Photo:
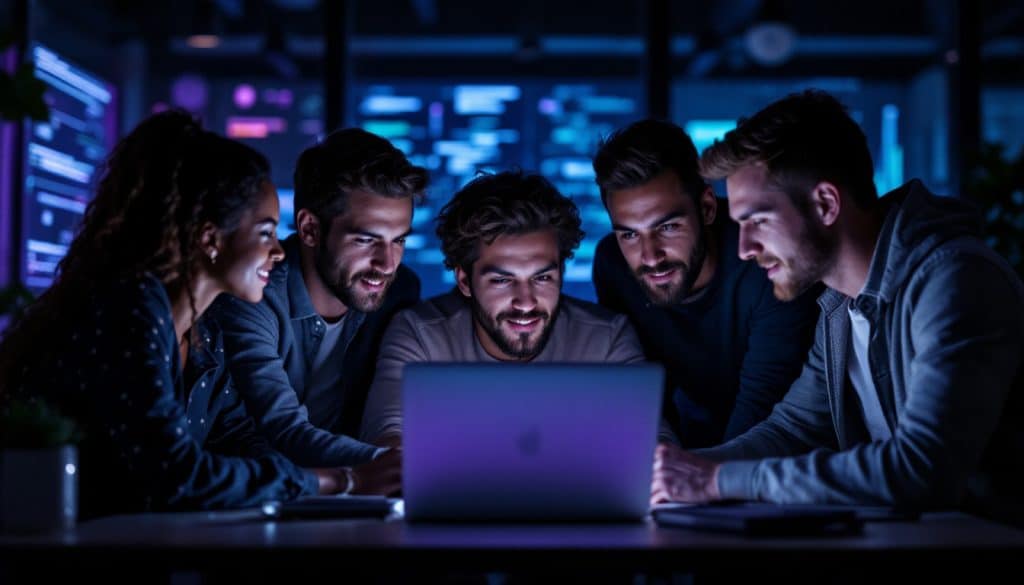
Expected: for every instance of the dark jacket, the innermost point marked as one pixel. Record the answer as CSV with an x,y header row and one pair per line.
x,y
157,437
271,347
947,323
730,354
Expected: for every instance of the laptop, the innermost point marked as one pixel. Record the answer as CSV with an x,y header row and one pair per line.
x,y
529,441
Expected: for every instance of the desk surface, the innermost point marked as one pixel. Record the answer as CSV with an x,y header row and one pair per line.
x,y
196,540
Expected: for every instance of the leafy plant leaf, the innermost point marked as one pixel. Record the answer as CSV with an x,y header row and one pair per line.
x,y
32,424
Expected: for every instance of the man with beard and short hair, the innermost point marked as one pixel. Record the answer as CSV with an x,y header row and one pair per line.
x,y
507,238
911,395
303,357
730,349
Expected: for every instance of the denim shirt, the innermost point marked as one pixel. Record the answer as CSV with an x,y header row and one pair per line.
x,y
944,357
157,437
270,349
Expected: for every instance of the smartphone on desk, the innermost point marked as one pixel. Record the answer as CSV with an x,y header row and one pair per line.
x,y
315,507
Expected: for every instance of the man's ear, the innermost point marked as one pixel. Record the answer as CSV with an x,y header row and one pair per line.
x,y
708,206
308,226
826,202
462,280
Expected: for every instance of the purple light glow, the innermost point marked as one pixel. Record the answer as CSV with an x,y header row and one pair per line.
x,y
8,62
279,97
312,127
436,119
254,127
245,96
189,92
111,120
529,441
548,106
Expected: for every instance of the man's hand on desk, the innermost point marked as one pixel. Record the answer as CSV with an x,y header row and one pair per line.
x,y
682,477
392,439
380,477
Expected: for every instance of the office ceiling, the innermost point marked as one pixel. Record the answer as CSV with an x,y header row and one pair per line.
x,y
721,39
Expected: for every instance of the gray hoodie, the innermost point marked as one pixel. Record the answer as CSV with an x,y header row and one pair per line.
x,y
945,351
441,330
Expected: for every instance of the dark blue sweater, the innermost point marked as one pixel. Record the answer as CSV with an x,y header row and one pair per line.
x,y
730,353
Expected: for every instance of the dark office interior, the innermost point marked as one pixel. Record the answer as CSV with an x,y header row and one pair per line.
x,y
463,87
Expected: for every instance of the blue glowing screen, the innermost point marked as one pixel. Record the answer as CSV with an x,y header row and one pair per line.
x,y
62,158
456,131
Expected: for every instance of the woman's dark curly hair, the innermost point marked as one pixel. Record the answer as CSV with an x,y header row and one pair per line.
x,y
511,202
158,188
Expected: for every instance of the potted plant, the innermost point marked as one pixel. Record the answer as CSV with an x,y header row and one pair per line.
x,y
38,468
997,185
14,300
38,457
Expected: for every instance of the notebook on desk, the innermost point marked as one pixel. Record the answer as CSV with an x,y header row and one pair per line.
x,y
529,442
763,519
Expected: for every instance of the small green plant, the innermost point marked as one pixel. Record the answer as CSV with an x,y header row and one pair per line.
x,y
32,424
26,423
997,186
14,299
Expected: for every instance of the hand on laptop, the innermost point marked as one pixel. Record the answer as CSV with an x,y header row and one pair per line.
x,y
382,476
680,476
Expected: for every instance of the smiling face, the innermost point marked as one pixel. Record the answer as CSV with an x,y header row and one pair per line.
x,y
514,287
358,257
793,246
662,235
249,252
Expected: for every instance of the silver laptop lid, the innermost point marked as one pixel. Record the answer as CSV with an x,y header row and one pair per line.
x,y
534,441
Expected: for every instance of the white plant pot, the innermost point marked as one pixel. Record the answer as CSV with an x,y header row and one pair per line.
x,y
38,489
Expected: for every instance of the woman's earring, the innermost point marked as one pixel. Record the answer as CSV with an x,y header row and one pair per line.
x,y
213,257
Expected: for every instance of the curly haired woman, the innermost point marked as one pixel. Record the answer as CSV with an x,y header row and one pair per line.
x,y
180,216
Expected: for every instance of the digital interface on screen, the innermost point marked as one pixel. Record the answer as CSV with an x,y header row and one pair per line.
x,y
454,131
457,131
278,120
708,109
62,157
572,121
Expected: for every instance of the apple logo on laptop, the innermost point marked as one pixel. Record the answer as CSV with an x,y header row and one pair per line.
x,y
528,442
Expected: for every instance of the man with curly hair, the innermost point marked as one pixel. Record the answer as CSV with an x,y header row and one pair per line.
x,y
506,237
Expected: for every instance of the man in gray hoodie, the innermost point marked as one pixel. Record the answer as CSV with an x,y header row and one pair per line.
x,y
908,396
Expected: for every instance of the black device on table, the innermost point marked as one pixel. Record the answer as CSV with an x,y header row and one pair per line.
x,y
760,519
